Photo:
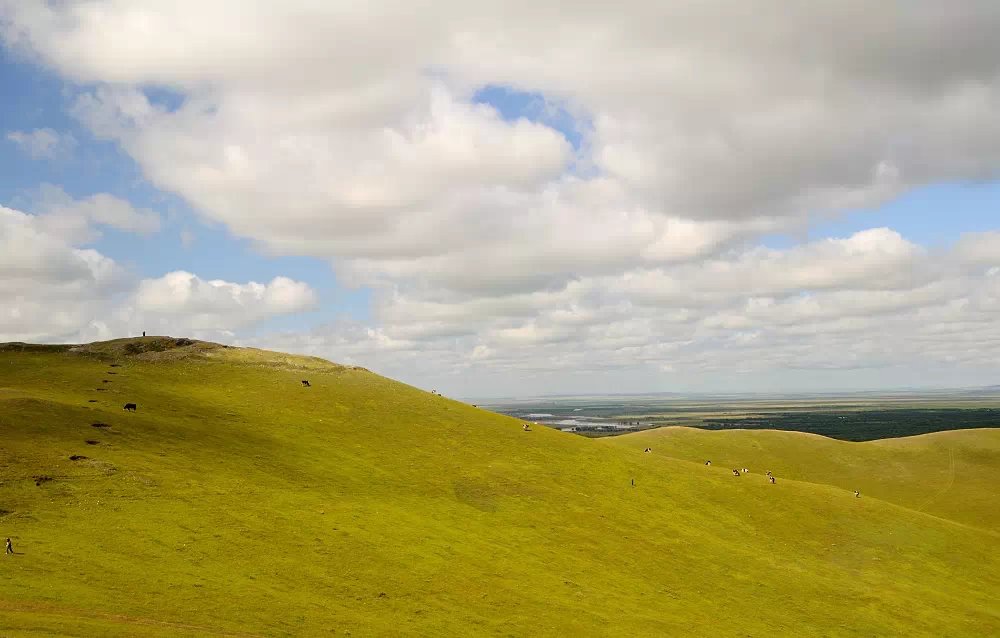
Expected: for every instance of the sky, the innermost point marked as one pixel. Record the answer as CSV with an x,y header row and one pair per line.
x,y
516,199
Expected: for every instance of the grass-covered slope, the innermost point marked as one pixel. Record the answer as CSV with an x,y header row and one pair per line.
x,y
237,502
948,474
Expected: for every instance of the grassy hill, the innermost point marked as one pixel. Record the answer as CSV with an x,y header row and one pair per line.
x,y
235,501
948,474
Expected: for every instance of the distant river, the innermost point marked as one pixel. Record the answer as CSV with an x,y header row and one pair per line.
x,y
582,415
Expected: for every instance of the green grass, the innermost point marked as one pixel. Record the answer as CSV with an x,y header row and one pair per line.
x,y
236,502
948,474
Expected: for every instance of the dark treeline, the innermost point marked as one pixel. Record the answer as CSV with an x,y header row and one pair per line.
x,y
865,425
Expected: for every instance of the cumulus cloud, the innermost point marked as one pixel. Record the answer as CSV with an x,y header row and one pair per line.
x,y
352,134
43,143
56,291
185,300
50,288
980,249
696,134
76,219
731,319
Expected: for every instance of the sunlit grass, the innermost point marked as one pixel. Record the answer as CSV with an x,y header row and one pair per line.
x,y
237,501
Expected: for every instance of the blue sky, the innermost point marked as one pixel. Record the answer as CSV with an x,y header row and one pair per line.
x,y
933,216
598,234
40,99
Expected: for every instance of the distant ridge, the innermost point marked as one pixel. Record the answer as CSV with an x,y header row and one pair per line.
x,y
888,393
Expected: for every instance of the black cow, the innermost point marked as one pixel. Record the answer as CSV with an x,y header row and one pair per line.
x,y
130,407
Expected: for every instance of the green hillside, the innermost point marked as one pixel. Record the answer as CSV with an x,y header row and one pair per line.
x,y
235,501
947,474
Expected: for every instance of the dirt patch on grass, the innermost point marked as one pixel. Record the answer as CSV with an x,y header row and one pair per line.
x,y
91,400
99,425
42,478
78,457
91,442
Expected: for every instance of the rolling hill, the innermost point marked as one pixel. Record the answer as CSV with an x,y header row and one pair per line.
x,y
947,474
236,501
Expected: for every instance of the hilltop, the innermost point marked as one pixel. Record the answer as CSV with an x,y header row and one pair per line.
x,y
236,501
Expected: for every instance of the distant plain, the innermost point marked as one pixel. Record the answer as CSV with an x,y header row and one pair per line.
x,y
849,416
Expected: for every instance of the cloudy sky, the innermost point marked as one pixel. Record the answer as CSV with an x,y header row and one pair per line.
x,y
517,198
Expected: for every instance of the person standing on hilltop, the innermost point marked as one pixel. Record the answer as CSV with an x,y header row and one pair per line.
x,y
10,546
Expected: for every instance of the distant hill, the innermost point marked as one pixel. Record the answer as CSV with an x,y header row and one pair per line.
x,y
990,390
237,501
947,474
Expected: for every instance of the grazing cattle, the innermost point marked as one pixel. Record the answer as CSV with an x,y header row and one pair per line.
x,y
648,450
306,383
746,471
10,547
768,472
736,472
771,479
708,462
857,494
130,407
526,427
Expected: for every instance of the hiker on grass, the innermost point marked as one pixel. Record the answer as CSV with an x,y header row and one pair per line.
x,y
10,547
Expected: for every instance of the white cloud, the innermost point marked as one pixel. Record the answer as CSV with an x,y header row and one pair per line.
x,y
381,157
980,249
736,319
184,300
50,288
55,291
75,219
697,133
349,133
43,143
